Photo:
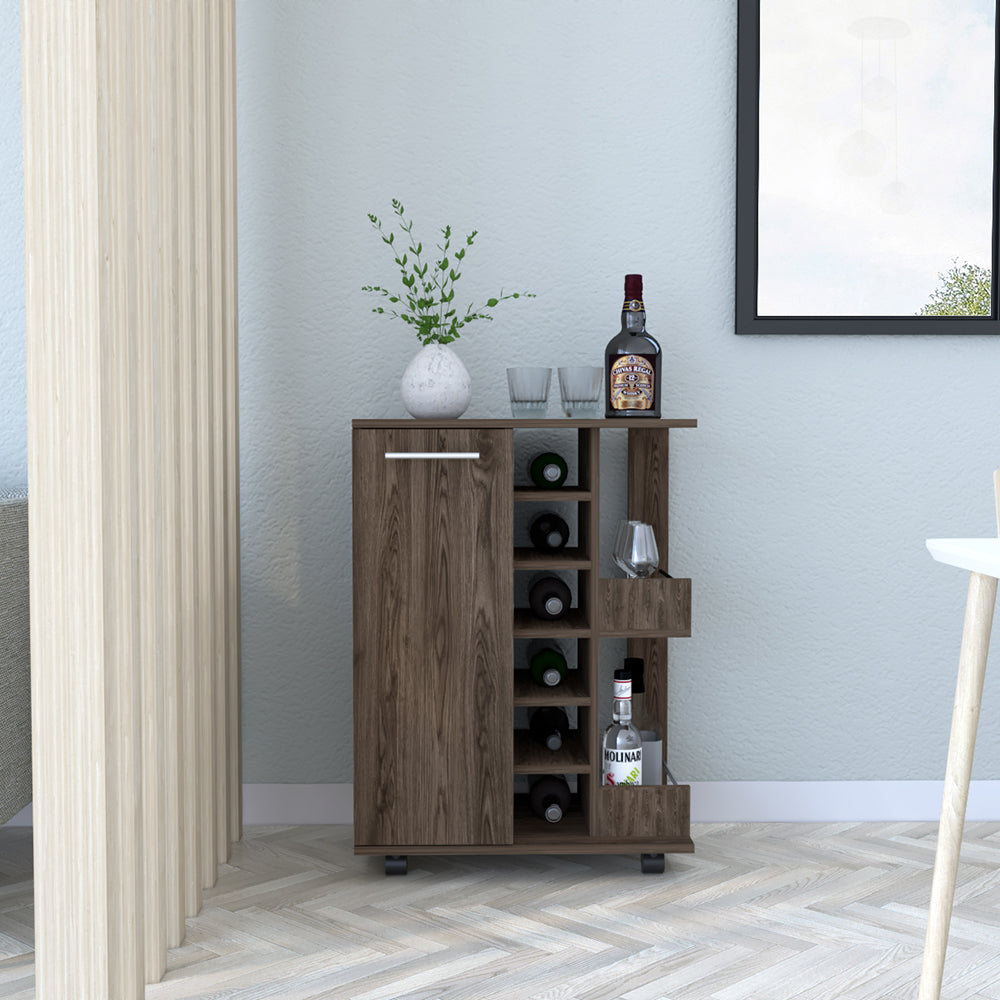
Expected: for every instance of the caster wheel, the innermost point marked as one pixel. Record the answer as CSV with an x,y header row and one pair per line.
x,y
652,864
395,864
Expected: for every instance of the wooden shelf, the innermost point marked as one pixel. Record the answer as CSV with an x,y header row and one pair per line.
x,y
560,494
530,830
629,423
528,558
654,608
573,626
572,691
532,758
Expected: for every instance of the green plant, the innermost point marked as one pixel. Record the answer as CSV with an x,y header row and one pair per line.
x,y
429,290
965,290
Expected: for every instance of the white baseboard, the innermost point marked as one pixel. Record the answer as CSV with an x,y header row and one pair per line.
x,y
711,802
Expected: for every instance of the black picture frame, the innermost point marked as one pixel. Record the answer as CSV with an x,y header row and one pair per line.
x,y
747,321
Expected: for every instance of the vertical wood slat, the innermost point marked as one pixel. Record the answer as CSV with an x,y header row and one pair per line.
x,y
147,507
131,334
217,429
168,538
187,458
230,356
205,620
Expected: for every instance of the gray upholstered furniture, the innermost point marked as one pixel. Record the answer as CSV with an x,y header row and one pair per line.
x,y
15,683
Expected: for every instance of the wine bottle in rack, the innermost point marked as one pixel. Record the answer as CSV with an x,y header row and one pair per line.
x,y
549,598
621,762
548,532
632,361
548,470
549,798
546,663
549,726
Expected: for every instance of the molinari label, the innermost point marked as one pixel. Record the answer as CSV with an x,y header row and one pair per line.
x,y
632,381
622,767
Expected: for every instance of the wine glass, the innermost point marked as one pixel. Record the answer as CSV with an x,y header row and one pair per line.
x,y
635,549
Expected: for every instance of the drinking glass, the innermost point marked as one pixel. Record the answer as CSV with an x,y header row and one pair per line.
x,y
529,391
635,549
580,387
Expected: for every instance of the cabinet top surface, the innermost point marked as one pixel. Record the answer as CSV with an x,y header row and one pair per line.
x,y
632,423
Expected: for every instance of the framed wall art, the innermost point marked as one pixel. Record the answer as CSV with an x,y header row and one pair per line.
x,y
867,173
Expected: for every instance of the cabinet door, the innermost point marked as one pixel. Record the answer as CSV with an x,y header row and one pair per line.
x,y
433,647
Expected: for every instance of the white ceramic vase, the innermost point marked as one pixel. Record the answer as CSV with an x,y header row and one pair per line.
x,y
436,385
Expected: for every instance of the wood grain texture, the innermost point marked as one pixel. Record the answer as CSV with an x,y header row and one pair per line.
x,y
433,667
589,650
572,625
515,423
649,484
147,407
646,812
114,401
760,912
569,558
185,416
167,494
655,606
533,758
206,613
573,690
978,624
228,253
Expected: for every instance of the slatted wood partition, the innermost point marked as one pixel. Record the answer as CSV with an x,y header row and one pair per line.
x,y
130,234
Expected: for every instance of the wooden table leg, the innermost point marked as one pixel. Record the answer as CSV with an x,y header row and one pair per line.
x,y
964,721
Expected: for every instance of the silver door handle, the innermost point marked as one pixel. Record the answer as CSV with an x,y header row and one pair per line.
x,y
432,454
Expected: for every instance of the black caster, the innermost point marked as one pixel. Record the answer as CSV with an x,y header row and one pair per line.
x,y
652,864
395,864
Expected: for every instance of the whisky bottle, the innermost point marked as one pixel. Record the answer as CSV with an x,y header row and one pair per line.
x,y
549,598
547,665
622,746
549,726
548,470
549,798
548,532
632,361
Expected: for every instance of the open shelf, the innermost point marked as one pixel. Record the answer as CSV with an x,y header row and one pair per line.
x,y
573,626
560,493
572,691
529,558
532,758
529,829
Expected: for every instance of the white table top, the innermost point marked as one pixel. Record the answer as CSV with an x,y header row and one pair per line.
x,y
978,555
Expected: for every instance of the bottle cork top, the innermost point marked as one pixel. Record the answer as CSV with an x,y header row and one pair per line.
x,y
633,286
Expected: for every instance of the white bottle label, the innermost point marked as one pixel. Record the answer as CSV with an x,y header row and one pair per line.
x,y
623,767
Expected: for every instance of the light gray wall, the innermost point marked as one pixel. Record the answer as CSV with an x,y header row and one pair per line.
x,y
13,422
583,140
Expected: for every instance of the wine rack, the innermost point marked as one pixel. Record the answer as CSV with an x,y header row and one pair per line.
x,y
469,805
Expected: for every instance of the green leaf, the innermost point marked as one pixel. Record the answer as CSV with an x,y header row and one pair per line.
x,y
491,302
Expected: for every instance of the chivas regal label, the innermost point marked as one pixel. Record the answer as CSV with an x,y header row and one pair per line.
x,y
623,767
632,380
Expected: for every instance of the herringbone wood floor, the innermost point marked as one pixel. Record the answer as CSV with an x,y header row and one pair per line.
x,y
768,911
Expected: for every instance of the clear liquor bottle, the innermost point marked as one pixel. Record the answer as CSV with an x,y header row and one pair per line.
x,y
632,361
622,745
